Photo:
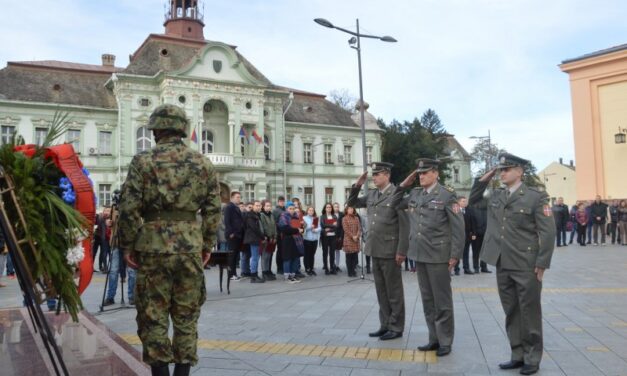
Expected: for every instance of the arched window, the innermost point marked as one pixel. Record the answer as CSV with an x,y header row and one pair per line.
x,y
207,141
266,147
144,139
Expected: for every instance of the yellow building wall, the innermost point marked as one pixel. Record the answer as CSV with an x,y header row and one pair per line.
x,y
598,88
613,113
560,181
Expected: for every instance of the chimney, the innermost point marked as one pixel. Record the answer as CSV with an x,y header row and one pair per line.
x,y
108,60
561,161
571,163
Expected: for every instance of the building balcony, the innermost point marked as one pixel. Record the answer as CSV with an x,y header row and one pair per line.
x,y
231,161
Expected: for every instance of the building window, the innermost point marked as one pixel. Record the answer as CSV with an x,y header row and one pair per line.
x,y
368,154
328,194
308,199
7,134
249,192
40,135
266,147
348,154
104,143
288,151
144,102
73,136
328,154
288,193
144,139
456,174
207,141
307,156
104,194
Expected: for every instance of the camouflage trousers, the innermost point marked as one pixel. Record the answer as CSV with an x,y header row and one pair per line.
x,y
169,286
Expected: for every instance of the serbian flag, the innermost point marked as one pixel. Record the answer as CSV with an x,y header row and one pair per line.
x,y
256,137
194,137
242,133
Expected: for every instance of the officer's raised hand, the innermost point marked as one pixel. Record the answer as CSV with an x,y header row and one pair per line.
x,y
362,179
488,175
409,180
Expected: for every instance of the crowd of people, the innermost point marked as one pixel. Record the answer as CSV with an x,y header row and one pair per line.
x,y
290,234
592,222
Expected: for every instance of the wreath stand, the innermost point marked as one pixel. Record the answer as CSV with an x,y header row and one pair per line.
x,y
32,293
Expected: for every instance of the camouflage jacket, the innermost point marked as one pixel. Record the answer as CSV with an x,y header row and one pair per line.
x,y
164,190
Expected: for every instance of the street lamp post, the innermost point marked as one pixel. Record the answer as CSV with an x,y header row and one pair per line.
x,y
313,176
355,43
356,40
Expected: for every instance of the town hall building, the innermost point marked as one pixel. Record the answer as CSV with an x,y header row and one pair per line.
x,y
265,140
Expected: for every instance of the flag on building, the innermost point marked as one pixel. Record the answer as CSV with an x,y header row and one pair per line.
x,y
242,133
257,137
194,137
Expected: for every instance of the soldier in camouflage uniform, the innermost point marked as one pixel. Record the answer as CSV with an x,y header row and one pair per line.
x,y
161,237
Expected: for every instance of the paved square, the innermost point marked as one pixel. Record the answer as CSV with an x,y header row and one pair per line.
x,y
320,326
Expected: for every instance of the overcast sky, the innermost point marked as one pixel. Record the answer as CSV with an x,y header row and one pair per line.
x,y
480,64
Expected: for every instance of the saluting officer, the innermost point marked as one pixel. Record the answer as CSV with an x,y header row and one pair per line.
x,y
436,242
386,243
519,241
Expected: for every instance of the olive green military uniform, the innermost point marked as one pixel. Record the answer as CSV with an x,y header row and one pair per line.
x,y
163,191
436,235
519,237
387,237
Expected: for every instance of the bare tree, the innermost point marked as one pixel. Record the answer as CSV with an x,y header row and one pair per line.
x,y
344,99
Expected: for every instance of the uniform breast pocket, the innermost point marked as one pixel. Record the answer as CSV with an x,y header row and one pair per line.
x,y
521,214
436,205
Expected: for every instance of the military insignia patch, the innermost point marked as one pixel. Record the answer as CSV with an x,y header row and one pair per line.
x,y
421,164
456,208
547,210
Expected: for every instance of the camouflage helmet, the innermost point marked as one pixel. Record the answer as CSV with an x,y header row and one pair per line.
x,y
168,116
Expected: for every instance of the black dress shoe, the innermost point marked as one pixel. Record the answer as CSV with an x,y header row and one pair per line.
x,y
512,364
390,334
182,369
486,270
443,351
160,369
456,272
529,369
378,333
467,271
476,270
429,346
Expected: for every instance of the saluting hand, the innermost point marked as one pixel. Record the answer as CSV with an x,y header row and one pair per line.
x,y
362,179
488,175
409,180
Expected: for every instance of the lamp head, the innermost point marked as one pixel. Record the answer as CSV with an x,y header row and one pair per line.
x,y
388,38
352,41
323,22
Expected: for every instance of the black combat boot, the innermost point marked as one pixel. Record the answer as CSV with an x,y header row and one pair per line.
x,y
182,369
160,369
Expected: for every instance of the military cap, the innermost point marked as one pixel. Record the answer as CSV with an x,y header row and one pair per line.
x,y
381,167
507,160
168,116
426,164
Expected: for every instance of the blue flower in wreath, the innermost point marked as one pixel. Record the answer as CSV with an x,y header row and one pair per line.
x,y
68,195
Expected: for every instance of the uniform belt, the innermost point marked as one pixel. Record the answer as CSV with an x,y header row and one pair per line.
x,y
170,216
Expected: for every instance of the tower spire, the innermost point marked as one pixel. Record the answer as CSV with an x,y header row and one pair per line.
x,y
184,19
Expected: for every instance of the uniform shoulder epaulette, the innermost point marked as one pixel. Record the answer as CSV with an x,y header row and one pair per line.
x,y
418,189
449,188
